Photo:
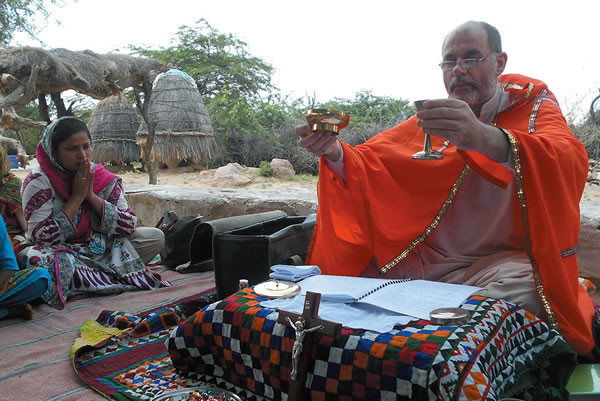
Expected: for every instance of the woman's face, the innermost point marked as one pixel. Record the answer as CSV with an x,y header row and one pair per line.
x,y
74,151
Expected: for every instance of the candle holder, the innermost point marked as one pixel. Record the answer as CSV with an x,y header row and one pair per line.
x,y
327,120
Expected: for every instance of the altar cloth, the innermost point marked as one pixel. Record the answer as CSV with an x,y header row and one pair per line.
x,y
502,351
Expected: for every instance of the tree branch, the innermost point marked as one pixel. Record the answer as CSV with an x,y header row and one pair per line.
x,y
43,108
10,111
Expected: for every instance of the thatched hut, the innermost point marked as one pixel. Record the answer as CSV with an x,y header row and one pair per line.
x,y
113,125
183,128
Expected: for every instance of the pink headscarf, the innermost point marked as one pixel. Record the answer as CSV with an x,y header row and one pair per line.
x,y
62,181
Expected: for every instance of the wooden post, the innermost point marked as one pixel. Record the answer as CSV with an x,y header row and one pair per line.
x,y
310,322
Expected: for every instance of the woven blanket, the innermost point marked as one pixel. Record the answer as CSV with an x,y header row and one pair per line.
x,y
502,351
35,362
123,356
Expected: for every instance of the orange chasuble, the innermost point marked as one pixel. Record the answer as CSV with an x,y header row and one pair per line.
x,y
391,202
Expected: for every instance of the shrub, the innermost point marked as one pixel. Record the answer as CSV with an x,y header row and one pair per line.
x,y
589,134
245,149
265,169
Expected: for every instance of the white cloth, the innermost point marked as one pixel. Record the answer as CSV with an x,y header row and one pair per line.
x,y
293,273
356,316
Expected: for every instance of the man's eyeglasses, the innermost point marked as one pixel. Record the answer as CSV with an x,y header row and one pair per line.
x,y
465,63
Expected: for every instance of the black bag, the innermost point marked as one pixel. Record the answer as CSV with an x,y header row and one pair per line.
x,y
201,247
250,252
178,234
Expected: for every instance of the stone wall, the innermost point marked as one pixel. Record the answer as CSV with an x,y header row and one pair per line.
x,y
151,201
588,251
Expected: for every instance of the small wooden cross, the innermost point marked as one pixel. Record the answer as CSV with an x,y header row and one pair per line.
x,y
310,321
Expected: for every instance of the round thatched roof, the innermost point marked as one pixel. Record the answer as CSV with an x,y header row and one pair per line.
x,y
183,130
113,125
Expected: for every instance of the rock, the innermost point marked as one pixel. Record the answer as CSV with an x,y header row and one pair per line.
x,y
151,201
229,176
282,168
229,169
232,180
590,213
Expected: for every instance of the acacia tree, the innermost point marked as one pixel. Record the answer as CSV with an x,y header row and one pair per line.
x,y
234,84
17,16
217,61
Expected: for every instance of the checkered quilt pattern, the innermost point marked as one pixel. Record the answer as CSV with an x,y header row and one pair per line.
x,y
502,351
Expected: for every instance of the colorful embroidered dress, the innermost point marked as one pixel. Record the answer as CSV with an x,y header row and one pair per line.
x,y
25,285
89,254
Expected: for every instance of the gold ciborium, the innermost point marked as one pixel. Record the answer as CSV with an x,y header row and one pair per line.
x,y
427,153
327,120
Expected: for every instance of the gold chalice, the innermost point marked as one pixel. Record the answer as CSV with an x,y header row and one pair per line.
x,y
427,153
327,120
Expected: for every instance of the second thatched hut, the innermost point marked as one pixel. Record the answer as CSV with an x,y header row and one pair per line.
x,y
113,125
183,128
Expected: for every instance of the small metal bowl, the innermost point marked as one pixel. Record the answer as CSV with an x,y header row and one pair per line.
x,y
449,316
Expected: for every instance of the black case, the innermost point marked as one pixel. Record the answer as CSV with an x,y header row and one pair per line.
x,y
178,233
249,252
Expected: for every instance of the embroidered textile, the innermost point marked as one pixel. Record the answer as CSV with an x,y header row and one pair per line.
x,y
501,352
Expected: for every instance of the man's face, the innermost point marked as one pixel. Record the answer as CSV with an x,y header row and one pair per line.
x,y
475,85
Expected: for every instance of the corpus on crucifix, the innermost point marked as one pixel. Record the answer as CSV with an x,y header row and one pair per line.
x,y
301,331
304,324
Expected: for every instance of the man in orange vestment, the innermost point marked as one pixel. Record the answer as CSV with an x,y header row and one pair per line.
x,y
500,210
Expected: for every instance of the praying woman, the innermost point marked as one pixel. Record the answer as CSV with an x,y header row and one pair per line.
x,y
80,227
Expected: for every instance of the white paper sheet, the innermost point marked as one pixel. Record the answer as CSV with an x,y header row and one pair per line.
x,y
414,297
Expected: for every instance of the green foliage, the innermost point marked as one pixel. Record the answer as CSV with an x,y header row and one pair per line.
x,y
28,136
265,169
229,112
367,109
17,16
218,62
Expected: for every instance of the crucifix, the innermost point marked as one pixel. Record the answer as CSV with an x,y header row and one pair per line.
x,y
304,324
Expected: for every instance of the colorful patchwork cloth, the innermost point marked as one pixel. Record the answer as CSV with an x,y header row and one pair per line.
x,y
503,351
123,356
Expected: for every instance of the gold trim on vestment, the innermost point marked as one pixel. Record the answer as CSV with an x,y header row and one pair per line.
x,y
384,269
516,159
510,85
530,87
535,110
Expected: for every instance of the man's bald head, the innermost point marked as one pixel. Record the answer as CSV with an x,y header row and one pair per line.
x,y
493,36
474,83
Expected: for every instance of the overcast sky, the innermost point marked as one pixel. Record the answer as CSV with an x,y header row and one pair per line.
x,y
336,48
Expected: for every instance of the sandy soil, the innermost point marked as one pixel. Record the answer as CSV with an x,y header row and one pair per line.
x,y
187,177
